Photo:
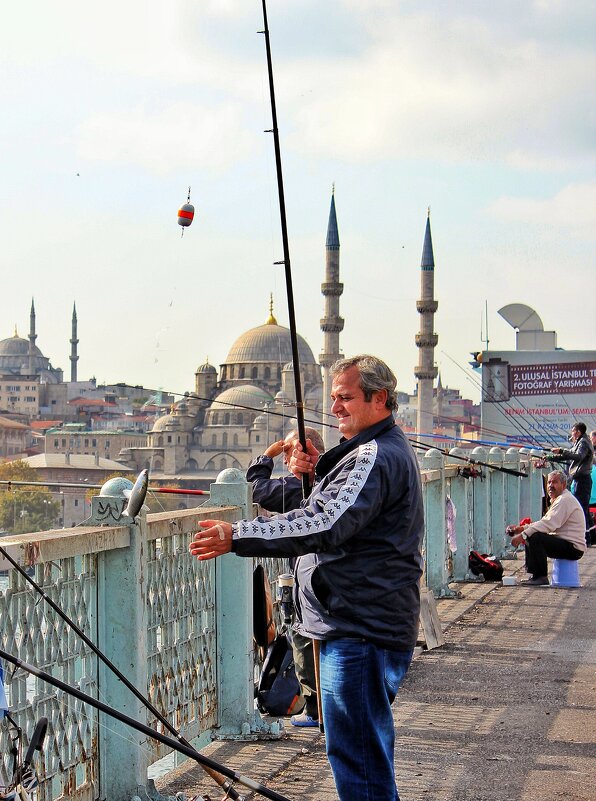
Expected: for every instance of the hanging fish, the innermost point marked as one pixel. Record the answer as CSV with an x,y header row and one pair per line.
x,y
186,213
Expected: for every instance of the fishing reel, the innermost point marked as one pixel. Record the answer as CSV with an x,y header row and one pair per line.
x,y
24,785
285,584
470,471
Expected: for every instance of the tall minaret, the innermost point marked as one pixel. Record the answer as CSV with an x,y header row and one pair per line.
x,y
32,338
331,324
73,345
426,340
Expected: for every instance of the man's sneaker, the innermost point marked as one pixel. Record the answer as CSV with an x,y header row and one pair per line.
x,y
541,581
304,720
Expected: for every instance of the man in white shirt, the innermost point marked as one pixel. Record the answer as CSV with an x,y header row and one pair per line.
x,y
559,534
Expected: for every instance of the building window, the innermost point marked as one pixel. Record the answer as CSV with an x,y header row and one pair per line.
x,y
224,441
235,439
55,443
227,419
94,442
267,372
241,371
254,372
169,438
76,501
214,439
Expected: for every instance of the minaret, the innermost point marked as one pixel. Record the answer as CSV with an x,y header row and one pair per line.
x,y
331,324
73,345
426,340
32,338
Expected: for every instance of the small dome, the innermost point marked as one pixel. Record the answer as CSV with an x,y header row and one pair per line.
x,y
243,395
206,368
260,421
166,421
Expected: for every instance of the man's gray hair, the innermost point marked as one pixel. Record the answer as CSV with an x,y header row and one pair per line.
x,y
374,376
560,474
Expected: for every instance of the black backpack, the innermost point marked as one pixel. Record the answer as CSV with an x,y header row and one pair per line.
x,y
278,692
481,564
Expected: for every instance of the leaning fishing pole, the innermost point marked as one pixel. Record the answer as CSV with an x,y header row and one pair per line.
x,y
176,745
509,470
286,250
220,780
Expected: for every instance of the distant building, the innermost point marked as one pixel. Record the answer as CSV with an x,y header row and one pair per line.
x,y
20,393
14,439
534,394
75,439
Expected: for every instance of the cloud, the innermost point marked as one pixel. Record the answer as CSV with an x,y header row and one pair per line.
x,y
453,90
574,207
181,135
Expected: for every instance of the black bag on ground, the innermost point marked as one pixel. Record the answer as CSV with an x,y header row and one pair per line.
x,y
278,692
481,564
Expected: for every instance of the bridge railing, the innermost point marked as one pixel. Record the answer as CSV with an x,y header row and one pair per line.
x,y
179,629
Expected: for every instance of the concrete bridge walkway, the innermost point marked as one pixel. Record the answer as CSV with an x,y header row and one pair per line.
x,y
504,711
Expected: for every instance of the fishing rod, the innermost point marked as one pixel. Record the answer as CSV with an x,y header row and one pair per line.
x,y
509,470
109,664
176,745
166,490
286,250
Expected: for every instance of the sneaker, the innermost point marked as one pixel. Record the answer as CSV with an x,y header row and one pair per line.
x,y
541,581
304,720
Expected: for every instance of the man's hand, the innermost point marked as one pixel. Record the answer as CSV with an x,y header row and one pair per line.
x,y
301,462
517,540
558,451
275,448
214,539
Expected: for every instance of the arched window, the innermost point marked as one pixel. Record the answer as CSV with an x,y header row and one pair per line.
x,y
242,372
267,372
224,441
223,464
235,440
279,372
227,419
240,419
255,372
160,441
157,464
214,439
191,465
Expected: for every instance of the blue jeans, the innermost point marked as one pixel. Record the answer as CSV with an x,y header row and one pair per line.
x,y
359,682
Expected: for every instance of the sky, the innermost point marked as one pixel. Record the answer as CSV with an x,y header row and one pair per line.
x,y
478,110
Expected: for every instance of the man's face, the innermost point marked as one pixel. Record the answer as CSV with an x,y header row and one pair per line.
x,y
555,486
575,435
353,412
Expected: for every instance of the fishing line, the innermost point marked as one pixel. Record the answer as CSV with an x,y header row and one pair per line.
x,y
526,434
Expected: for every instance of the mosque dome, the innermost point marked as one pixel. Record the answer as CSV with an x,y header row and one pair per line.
x,y
17,346
206,368
268,343
242,395
164,422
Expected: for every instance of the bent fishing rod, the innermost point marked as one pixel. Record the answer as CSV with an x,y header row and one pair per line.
x,y
220,780
176,745
165,490
509,470
286,251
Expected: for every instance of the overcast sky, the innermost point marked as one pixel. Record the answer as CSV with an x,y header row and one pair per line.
x,y
480,110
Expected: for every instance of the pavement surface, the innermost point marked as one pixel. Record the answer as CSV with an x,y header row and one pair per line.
x,y
505,710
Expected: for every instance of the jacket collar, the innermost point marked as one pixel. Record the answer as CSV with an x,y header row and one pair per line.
x,y
329,459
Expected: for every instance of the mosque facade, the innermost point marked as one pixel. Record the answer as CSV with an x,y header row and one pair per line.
x,y
233,415
22,357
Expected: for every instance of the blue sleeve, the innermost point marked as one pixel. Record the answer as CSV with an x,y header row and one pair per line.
x,y
273,494
337,509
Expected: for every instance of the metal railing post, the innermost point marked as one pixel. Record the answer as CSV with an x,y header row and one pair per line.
x,y
481,505
461,493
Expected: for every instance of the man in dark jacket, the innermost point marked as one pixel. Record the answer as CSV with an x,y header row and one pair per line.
x,y
280,495
580,456
357,538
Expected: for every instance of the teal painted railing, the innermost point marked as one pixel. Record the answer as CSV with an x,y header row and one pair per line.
x,y
180,630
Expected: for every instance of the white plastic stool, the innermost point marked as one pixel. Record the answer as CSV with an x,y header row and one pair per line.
x,y
565,573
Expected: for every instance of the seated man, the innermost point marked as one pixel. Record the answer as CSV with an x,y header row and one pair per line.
x,y
559,534
281,495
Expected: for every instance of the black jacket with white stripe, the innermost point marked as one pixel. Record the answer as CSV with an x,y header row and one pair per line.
x,y
357,538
